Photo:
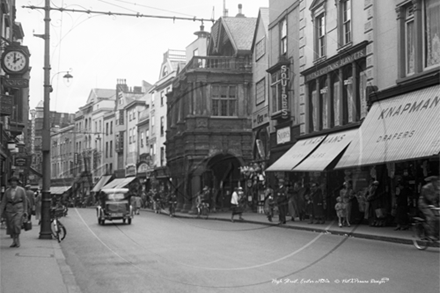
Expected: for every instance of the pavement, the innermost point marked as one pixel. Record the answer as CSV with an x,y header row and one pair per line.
x,y
359,231
39,266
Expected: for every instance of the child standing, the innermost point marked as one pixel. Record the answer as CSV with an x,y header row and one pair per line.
x,y
340,210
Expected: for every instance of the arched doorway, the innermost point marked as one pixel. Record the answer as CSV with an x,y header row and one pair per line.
x,y
222,174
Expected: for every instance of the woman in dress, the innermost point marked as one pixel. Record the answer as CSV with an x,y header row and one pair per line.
x,y
14,205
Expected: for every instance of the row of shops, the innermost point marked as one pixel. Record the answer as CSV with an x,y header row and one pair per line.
x,y
399,140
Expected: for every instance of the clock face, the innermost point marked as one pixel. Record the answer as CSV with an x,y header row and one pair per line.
x,y
14,61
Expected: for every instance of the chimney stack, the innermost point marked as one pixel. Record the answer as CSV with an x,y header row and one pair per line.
x,y
240,14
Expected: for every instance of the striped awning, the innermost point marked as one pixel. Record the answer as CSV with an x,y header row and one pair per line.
x,y
119,183
102,181
401,128
327,151
59,189
296,154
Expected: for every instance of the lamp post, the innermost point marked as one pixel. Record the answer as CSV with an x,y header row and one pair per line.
x,y
45,231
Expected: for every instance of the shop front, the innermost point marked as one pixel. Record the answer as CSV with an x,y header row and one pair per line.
x,y
398,141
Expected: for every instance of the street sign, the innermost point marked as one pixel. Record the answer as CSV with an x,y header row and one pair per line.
x,y
6,103
20,162
16,82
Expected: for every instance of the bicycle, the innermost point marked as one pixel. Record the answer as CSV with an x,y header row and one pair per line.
x,y
203,209
421,238
58,229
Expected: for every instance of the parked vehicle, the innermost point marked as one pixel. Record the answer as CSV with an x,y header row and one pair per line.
x,y
58,229
114,205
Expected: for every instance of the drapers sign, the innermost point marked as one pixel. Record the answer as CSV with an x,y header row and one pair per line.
x,y
337,64
283,135
284,96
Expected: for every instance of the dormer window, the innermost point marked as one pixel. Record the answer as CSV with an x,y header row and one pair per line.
x,y
164,71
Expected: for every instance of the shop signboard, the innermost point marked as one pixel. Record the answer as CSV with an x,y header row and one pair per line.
x,y
130,170
260,117
20,162
6,103
283,135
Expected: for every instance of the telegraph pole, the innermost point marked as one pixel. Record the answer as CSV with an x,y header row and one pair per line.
x,y
45,232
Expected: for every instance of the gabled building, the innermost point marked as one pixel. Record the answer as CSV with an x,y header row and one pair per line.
x,y
172,60
209,127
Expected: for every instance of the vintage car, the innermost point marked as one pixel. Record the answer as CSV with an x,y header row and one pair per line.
x,y
114,205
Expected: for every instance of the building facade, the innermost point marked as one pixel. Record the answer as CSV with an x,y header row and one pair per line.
x,y
209,127
14,92
172,60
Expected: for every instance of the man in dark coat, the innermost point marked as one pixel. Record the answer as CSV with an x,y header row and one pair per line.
x,y
318,204
282,201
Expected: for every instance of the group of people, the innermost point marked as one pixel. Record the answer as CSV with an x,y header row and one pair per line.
x,y
296,201
17,206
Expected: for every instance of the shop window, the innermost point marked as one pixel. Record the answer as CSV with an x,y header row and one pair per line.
x,y
283,36
260,91
224,100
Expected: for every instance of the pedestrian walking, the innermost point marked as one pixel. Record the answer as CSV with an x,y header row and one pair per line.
x,y
402,195
340,210
347,195
236,203
430,196
282,201
14,205
31,201
38,206
269,203
293,201
318,204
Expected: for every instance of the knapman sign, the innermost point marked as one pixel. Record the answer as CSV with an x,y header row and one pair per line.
x,y
16,82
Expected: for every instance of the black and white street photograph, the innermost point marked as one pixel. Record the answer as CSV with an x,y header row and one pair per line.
x,y
219,146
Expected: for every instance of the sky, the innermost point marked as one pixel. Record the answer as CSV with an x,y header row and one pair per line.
x,y
98,50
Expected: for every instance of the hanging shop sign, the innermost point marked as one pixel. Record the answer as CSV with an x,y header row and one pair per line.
x,y
20,162
260,117
283,135
16,82
130,170
6,103
284,92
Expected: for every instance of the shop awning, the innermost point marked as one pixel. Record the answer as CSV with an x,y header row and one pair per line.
x,y
119,183
296,154
327,151
102,181
401,128
59,189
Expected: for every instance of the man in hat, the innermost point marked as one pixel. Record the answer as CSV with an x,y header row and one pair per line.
x,y
429,198
282,201
31,201
14,205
